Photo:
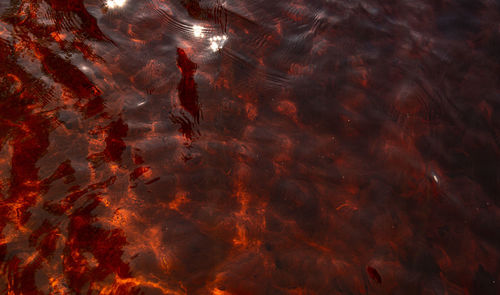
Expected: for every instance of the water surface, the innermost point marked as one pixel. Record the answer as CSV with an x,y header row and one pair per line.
x,y
249,147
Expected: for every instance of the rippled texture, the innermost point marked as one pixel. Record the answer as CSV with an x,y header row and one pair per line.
x,y
318,147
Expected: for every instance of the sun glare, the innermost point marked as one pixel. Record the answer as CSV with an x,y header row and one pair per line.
x,y
115,3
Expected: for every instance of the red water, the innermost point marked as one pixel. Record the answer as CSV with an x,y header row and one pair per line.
x,y
323,147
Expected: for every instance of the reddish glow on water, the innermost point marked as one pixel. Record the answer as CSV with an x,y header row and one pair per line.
x,y
249,147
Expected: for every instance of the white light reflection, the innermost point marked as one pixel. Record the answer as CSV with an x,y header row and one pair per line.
x,y
115,3
434,176
217,42
198,31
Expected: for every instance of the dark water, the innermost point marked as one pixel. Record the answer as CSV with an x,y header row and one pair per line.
x,y
317,147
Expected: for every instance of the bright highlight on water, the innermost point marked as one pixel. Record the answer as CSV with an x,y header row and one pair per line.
x,y
115,3
216,42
